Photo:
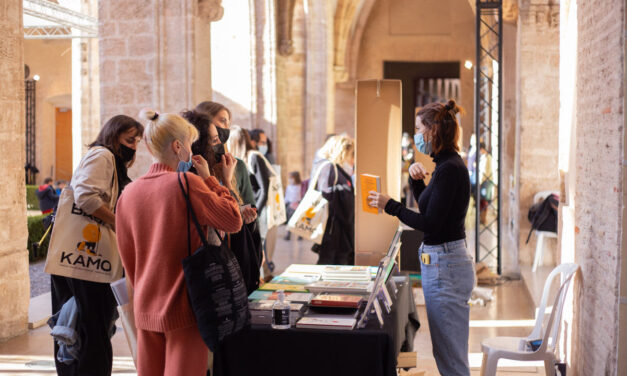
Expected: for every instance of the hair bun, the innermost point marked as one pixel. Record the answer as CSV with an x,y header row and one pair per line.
x,y
148,114
451,106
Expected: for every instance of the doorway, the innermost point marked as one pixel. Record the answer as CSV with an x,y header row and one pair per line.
x,y
63,143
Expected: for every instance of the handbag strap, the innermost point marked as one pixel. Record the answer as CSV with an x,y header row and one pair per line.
x,y
258,153
192,213
314,181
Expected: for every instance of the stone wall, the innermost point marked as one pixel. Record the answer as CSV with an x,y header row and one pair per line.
x,y
538,114
149,56
14,280
599,188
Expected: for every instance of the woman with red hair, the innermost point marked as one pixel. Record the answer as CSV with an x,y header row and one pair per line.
x,y
448,275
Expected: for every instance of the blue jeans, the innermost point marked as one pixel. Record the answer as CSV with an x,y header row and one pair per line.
x,y
447,282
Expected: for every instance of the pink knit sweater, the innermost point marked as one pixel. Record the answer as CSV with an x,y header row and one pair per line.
x,y
151,225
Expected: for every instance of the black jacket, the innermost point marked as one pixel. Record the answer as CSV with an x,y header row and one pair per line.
x,y
47,196
338,242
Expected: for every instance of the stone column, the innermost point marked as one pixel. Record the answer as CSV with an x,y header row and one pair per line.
x,y
319,80
154,54
14,279
264,73
90,83
290,142
509,173
538,113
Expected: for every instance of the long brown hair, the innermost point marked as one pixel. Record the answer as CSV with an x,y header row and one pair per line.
x,y
212,108
202,122
109,135
442,127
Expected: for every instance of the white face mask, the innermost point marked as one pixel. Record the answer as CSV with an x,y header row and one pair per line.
x,y
348,168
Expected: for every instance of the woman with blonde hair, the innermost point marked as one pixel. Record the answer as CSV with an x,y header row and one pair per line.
x,y
335,183
154,236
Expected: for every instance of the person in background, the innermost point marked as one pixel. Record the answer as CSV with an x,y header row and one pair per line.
x,y
47,196
318,158
94,193
448,273
292,197
260,171
242,243
259,141
335,183
59,185
152,222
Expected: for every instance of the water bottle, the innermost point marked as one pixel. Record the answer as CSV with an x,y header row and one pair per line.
x,y
281,313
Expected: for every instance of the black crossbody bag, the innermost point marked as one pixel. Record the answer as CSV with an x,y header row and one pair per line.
x,y
215,285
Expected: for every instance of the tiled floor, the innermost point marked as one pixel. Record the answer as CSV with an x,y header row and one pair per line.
x,y
509,314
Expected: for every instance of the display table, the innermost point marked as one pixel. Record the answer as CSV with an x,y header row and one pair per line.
x,y
261,350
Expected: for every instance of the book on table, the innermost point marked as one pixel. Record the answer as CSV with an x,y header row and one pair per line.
x,y
340,287
336,323
291,279
284,287
346,273
304,269
293,297
369,183
336,300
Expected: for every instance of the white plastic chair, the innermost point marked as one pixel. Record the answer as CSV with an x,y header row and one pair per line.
x,y
541,235
514,347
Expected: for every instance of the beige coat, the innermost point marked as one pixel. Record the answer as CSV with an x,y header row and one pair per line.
x,y
95,180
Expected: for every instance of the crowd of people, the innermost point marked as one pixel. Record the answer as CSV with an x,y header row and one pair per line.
x,y
230,190
229,171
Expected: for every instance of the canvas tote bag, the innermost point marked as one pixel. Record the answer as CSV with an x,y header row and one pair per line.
x,y
275,203
215,285
82,246
310,217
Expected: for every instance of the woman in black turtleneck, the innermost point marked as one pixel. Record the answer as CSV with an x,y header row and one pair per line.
x,y
447,268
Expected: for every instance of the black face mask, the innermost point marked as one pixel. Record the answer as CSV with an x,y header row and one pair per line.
x,y
218,152
126,153
223,134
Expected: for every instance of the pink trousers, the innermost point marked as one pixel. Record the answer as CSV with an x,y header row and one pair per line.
x,y
179,352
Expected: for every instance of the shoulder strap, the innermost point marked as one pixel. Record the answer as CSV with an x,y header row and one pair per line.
x,y
264,159
314,181
192,213
114,187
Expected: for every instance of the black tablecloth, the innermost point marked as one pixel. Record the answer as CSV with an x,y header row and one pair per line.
x,y
261,350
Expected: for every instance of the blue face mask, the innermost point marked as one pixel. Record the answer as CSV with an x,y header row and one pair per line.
x,y
185,166
421,145
263,149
